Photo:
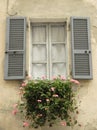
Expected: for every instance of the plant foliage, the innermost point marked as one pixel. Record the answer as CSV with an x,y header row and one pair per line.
x,y
48,101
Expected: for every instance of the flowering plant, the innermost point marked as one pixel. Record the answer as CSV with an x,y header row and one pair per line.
x,y
48,101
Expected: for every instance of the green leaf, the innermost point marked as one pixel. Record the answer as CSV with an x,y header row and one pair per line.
x,y
61,107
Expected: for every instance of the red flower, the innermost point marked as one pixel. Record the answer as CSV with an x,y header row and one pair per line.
x,y
75,81
23,84
14,112
25,124
63,78
63,123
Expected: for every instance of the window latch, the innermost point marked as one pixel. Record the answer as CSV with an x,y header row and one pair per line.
x,y
87,51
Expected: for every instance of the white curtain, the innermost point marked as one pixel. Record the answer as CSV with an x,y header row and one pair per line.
x,y
41,37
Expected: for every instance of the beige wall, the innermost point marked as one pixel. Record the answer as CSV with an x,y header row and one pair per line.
x,y
48,10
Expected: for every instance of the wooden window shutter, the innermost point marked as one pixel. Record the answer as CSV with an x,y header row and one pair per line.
x,y
81,48
15,49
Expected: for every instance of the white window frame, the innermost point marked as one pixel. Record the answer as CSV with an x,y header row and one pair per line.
x,y
48,48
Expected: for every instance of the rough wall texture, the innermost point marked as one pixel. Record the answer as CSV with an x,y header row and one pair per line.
x,y
49,9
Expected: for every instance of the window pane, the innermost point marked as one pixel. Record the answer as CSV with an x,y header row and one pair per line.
x,y
39,70
58,69
58,52
57,33
39,53
39,33
48,49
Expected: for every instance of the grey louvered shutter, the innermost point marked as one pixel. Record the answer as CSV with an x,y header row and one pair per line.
x,y
15,48
81,49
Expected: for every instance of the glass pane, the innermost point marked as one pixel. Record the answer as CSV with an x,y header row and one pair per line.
x,y
39,53
39,70
39,33
58,52
57,33
59,69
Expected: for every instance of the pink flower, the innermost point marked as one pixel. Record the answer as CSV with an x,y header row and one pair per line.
x,y
63,78
25,124
20,88
47,100
43,77
63,123
23,84
39,100
29,77
14,112
75,81
21,93
39,115
54,78
15,105
55,95
52,88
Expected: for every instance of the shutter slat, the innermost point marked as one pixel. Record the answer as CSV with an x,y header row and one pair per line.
x,y
15,48
81,49
16,34
82,64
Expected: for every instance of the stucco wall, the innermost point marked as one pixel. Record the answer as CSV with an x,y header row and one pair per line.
x,y
48,10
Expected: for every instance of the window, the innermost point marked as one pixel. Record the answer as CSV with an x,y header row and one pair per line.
x,y
48,49
48,57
